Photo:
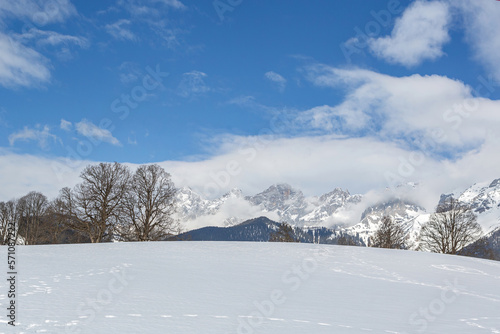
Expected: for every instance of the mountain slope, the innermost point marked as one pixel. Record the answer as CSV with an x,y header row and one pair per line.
x,y
260,230
484,198
409,216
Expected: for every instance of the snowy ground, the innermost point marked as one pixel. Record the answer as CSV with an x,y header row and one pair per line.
x,y
221,287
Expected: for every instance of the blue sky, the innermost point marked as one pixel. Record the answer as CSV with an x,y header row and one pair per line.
x,y
356,86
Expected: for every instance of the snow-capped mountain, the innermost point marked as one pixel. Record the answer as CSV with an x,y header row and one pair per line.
x,y
290,204
408,215
280,202
484,198
192,206
337,209
481,197
330,208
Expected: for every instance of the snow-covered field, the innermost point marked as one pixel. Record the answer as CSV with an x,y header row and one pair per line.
x,y
221,287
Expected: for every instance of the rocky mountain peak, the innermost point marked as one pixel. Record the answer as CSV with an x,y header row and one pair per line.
x,y
276,197
495,183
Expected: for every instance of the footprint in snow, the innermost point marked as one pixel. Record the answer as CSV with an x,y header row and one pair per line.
x,y
459,269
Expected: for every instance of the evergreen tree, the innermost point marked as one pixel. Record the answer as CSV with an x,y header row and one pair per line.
x,y
285,233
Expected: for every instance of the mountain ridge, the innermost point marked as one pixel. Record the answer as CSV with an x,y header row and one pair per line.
x,y
337,210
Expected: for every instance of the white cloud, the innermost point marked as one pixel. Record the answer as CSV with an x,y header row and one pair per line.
x,y
120,30
66,125
482,24
157,16
277,79
318,164
92,131
53,38
172,3
262,161
193,83
38,12
40,134
129,72
19,65
410,110
315,165
418,35
22,173
233,207
247,100
146,7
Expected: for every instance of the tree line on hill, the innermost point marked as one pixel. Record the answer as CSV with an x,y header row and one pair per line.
x,y
451,229
110,203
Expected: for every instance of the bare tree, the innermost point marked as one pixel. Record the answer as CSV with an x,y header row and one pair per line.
x,y
452,227
346,240
149,206
9,216
32,208
342,238
55,221
389,234
93,207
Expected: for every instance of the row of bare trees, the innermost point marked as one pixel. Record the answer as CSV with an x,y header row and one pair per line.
x,y
28,216
451,228
111,203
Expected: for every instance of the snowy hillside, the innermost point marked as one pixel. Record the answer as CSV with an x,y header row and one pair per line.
x,y
212,287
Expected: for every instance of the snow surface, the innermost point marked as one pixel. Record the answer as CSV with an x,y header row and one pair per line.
x,y
223,287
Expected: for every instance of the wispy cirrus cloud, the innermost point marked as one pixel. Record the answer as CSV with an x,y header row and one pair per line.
x,y
92,131
129,72
52,38
192,84
172,3
418,35
277,79
20,64
120,30
38,12
152,14
40,134
151,8
66,125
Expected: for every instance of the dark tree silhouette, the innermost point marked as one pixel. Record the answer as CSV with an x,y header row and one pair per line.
x,y
452,227
94,206
149,206
390,234
285,233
